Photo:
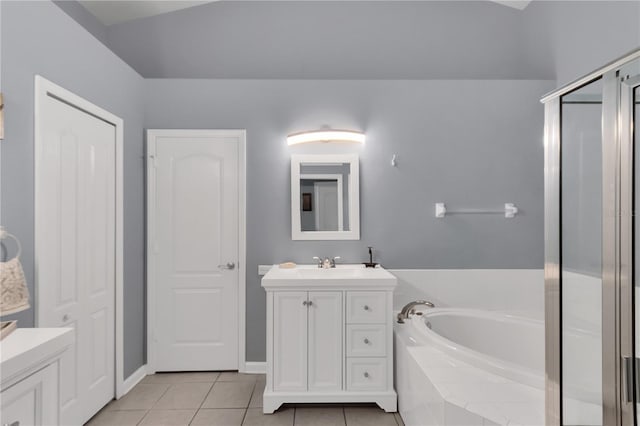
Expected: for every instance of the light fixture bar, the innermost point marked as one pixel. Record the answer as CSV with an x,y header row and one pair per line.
x,y
326,136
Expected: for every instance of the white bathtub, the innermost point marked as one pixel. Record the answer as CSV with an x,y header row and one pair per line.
x,y
507,345
471,367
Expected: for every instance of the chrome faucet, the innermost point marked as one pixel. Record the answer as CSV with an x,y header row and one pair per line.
x,y
327,262
409,309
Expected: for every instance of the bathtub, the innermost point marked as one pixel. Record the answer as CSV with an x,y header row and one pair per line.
x,y
471,367
475,367
508,345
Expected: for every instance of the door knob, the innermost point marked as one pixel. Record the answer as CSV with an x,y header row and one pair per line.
x,y
228,265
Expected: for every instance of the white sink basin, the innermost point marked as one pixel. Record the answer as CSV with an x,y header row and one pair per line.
x,y
339,276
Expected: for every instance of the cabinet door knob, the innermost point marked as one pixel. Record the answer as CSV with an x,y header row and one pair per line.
x,y
366,307
65,318
366,374
310,302
366,341
305,303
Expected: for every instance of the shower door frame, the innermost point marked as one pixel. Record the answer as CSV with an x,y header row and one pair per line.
x,y
618,389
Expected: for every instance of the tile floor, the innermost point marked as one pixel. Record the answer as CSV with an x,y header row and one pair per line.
x,y
225,399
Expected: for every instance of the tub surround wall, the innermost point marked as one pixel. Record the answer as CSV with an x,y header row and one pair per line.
x,y
510,290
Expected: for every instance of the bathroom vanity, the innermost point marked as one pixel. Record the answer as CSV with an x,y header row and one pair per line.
x,y
29,375
329,336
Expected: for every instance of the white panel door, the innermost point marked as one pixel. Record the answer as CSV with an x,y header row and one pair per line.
x,y
194,277
328,213
325,341
75,254
290,341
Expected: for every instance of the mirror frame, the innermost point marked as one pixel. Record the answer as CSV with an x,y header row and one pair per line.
x,y
354,197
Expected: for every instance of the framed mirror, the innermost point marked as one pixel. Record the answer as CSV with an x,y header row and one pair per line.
x,y
325,197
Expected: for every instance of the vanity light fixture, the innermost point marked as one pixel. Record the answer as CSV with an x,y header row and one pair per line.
x,y
325,136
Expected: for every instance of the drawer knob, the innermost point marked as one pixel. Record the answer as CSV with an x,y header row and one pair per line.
x,y
366,307
366,341
366,374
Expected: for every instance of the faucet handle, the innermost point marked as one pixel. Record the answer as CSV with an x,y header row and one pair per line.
x,y
333,261
319,260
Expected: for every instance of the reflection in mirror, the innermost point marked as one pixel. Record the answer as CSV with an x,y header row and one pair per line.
x,y
325,197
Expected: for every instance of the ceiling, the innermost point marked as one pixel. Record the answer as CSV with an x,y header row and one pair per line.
x,y
111,12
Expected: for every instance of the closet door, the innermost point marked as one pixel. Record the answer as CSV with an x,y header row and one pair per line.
x,y
75,249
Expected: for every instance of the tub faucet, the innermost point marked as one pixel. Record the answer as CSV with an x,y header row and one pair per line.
x,y
408,309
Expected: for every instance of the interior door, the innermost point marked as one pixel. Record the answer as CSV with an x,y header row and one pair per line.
x,y
327,210
75,253
194,230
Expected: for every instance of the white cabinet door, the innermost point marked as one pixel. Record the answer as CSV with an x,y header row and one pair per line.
x,y
32,401
325,341
194,226
290,341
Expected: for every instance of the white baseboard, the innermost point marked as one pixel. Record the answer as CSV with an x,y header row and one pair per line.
x,y
133,380
255,368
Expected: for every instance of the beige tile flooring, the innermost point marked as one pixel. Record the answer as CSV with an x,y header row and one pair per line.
x,y
225,399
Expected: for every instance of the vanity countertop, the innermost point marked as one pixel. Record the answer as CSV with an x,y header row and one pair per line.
x,y
26,348
340,276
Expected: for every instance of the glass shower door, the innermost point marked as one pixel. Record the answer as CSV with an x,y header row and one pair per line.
x,y
581,255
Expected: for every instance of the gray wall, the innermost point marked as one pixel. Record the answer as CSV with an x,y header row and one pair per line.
x,y
84,18
38,38
380,40
578,37
444,132
466,143
331,40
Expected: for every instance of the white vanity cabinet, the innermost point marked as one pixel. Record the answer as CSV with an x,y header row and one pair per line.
x,y
29,382
307,333
329,336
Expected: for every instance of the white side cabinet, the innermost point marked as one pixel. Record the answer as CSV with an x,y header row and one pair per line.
x,y
329,341
29,365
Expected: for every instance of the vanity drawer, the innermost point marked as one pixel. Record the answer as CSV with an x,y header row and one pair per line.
x,y
366,374
366,340
366,307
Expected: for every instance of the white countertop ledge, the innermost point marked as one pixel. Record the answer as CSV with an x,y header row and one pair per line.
x,y
27,348
341,276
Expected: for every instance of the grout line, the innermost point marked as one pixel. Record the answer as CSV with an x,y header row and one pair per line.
x,y
145,415
344,415
245,415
